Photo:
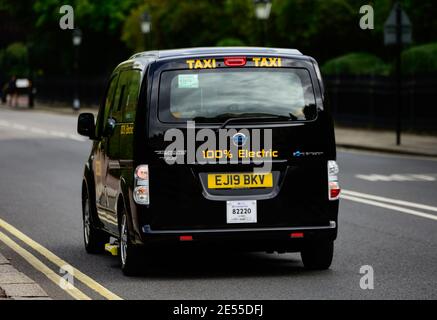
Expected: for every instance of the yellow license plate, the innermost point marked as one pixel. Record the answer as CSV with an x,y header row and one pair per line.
x,y
240,180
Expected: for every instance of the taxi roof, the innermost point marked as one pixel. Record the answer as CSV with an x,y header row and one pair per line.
x,y
142,59
203,51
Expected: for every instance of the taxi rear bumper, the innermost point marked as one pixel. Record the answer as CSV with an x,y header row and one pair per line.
x,y
247,239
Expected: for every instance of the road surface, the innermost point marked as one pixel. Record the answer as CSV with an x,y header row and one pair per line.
x,y
388,221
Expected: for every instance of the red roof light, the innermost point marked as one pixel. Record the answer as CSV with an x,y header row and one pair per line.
x,y
235,61
297,235
186,238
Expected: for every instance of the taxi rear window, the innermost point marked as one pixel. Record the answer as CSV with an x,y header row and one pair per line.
x,y
211,95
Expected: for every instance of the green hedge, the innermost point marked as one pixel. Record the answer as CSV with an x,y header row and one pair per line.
x,y
360,63
14,60
230,42
420,59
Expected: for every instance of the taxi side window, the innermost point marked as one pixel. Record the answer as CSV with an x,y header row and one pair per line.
x,y
109,98
120,95
131,95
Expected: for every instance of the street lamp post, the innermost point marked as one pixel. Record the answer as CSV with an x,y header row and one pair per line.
x,y
262,12
146,27
77,40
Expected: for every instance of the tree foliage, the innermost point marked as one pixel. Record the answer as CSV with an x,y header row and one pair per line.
x,y
420,59
15,60
360,63
111,28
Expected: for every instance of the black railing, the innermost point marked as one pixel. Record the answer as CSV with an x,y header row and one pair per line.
x,y
61,90
370,101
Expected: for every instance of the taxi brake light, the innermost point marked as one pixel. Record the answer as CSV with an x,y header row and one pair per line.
x,y
333,185
334,192
296,235
235,61
186,238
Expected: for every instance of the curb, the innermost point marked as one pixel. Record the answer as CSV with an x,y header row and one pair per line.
x,y
15,285
386,150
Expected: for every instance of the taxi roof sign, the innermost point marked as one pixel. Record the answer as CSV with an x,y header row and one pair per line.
x,y
223,51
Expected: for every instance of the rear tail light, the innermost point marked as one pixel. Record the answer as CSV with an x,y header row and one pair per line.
x,y
333,185
141,188
235,61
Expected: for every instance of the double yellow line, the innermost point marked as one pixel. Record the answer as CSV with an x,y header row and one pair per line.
x,y
40,266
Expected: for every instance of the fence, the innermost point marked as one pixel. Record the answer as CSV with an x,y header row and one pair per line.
x,y
61,89
370,101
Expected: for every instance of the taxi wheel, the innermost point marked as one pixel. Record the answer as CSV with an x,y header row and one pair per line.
x,y
318,255
94,239
130,255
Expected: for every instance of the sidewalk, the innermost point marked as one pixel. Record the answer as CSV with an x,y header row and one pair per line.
x,y
385,141
59,109
14,285
65,109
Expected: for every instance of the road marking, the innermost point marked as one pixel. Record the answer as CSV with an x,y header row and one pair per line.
x,y
58,134
396,177
36,130
423,177
390,200
41,267
19,126
76,137
387,154
94,285
390,207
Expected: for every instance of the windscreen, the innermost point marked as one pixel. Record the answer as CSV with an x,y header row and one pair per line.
x,y
214,95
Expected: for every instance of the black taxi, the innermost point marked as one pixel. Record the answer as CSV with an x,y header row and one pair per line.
x,y
210,148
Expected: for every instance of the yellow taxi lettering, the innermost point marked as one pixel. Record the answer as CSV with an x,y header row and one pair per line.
x,y
207,63
190,63
273,62
264,63
198,65
267,62
256,60
201,64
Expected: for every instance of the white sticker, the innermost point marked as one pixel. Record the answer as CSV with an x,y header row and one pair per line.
x,y
190,81
241,211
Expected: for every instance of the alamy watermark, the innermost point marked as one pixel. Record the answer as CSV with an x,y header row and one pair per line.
x,y
66,281
368,18
367,280
67,20
232,146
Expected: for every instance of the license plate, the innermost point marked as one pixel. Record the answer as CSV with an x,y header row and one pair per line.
x,y
240,180
241,211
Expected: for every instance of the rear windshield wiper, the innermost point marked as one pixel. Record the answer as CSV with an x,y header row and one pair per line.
x,y
232,117
254,118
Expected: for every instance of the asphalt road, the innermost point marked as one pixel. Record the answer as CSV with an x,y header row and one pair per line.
x,y
41,164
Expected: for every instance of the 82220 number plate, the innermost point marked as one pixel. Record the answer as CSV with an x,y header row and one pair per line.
x,y
241,211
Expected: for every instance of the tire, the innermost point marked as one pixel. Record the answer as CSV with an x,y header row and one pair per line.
x,y
130,255
94,239
318,255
